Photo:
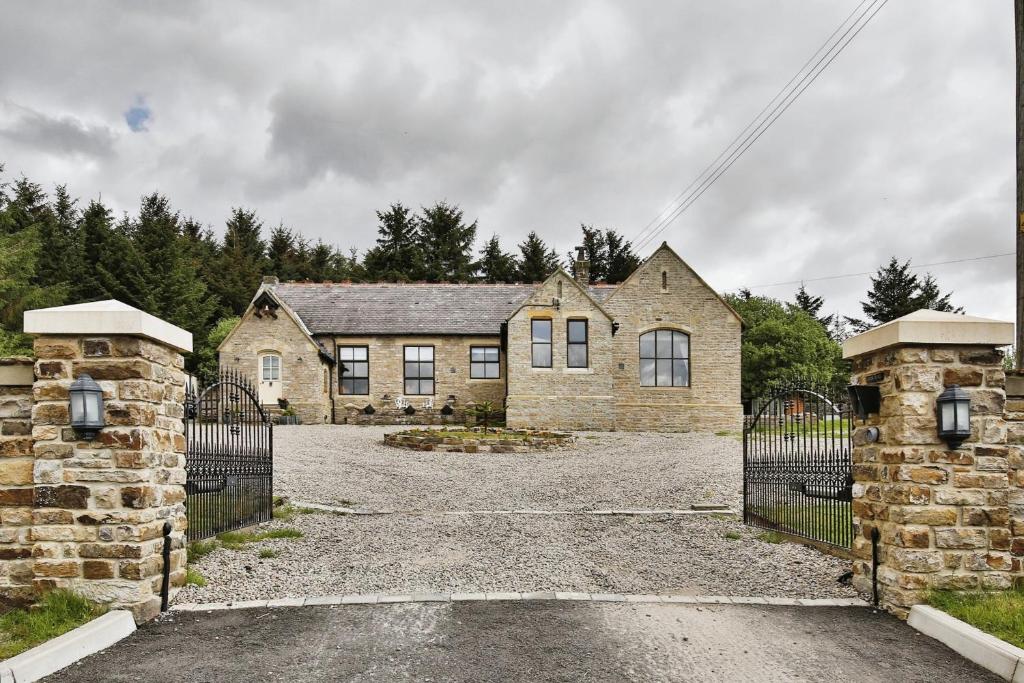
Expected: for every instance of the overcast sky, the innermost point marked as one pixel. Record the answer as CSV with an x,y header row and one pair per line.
x,y
540,116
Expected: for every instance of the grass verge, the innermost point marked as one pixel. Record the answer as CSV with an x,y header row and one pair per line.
x,y
194,578
267,554
234,540
57,612
1000,613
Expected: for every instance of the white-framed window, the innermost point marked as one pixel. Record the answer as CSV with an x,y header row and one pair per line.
x,y
484,362
271,371
664,359
419,370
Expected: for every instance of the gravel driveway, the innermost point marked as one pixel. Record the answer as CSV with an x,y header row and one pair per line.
x,y
350,465
429,545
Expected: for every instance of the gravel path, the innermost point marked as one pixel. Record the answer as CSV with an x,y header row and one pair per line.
x,y
349,465
429,551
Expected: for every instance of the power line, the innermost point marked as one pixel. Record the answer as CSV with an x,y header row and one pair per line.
x,y
754,120
753,136
839,277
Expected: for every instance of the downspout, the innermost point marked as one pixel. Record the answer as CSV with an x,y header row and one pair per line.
x,y
503,343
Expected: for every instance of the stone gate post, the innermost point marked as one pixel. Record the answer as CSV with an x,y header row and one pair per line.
x,y
99,505
944,516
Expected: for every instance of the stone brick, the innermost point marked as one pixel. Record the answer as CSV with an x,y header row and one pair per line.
x,y
986,516
981,357
140,569
960,538
914,560
16,497
913,537
139,496
16,428
97,569
51,413
906,494
92,348
15,473
111,550
15,447
917,378
964,376
923,475
67,497
942,355
946,496
52,370
974,480
56,347
927,515
115,369
56,568
987,401
53,451
999,539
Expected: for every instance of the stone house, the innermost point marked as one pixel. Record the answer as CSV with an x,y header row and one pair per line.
x,y
660,351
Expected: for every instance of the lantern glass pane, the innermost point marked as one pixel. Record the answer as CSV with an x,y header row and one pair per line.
x,y
92,404
77,407
963,416
947,418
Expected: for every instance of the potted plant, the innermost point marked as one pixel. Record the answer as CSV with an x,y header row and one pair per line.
x,y
289,416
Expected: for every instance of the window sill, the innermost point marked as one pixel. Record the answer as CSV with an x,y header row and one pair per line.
x,y
578,371
485,379
688,386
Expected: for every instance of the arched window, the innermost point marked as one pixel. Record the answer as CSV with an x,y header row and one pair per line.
x,y
664,359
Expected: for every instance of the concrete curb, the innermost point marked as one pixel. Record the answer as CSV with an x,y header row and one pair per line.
x,y
696,510
982,648
66,649
376,599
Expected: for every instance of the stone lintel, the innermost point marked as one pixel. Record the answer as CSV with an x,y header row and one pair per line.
x,y
106,318
931,328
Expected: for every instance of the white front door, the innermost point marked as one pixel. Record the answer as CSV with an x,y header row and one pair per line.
x,y
270,378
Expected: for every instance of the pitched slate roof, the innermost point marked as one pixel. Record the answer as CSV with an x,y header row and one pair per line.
x,y
384,308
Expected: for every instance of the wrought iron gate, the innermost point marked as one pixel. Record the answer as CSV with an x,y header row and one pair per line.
x,y
228,457
797,467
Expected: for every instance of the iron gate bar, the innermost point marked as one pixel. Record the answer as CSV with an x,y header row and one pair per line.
x,y
797,467
229,457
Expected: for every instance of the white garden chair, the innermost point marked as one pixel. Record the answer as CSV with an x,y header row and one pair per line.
x,y
429,404
401,402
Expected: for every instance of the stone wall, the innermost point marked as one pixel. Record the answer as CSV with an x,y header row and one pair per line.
x,y
16,485
387,378
100,506
303,379
665,293
560,397
950,519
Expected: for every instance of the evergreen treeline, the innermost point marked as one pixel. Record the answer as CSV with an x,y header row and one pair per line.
x,y
57,250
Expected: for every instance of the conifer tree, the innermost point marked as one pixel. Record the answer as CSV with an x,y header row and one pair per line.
x,y
397,256
170,286
446,243
811,305
496,265
536,261
240,263
282,254
622,261
895,292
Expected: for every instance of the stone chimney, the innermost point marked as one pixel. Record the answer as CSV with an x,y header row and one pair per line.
x,y
270,280
582,267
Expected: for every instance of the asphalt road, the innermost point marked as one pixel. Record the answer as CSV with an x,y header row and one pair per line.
x,y
527,641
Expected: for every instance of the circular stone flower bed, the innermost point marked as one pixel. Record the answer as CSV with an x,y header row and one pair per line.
x,y
475,440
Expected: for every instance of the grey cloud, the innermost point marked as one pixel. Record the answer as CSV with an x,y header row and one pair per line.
x,y
539,115
65,134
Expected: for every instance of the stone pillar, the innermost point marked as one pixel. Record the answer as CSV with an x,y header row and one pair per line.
x,y
16,489
943,515
100,505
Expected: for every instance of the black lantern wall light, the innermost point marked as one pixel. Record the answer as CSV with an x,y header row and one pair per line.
x,y
953,413
86,407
